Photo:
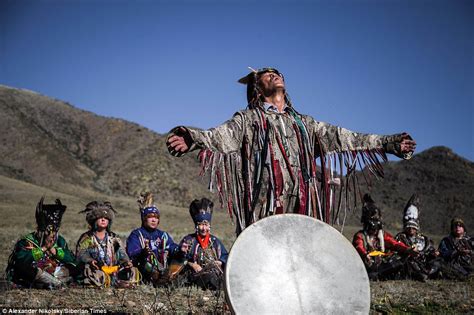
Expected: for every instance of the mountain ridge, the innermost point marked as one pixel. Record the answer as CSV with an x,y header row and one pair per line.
x,y
51,143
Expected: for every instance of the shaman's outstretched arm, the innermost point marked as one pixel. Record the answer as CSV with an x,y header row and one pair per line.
x,y
225,138
337,139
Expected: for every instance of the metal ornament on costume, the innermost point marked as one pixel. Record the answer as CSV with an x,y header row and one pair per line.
x,y
48,216
411,213
295,264
201,210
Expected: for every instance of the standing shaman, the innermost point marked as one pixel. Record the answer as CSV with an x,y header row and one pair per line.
x,y
263,160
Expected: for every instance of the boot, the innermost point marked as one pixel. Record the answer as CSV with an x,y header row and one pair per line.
x,y
44,280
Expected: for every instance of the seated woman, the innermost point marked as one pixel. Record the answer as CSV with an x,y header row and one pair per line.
x,y
42,259
205,255
100,253
150,248
379,251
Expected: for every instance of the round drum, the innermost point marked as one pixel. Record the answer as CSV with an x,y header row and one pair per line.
x,y
295,264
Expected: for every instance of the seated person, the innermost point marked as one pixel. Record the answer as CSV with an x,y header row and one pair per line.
x,y
205,255
42,259
100,253
427,264
150,248
377,248
457,250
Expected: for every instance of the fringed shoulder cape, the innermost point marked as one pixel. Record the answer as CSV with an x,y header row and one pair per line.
x,y
263,163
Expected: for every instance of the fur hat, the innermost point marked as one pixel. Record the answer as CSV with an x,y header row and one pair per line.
x,y
95,210
411,213
371,214
48,217
146,206
201,210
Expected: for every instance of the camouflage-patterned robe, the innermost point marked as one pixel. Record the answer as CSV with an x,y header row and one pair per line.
x,y
263,162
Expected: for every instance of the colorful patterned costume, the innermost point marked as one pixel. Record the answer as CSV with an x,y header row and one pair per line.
x,y
28,262
377,248
108,252
386,264
161,245
211,276
426,264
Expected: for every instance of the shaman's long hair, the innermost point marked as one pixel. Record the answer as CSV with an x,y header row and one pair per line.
x,y
255,97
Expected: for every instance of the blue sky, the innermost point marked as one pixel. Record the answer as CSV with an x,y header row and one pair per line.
x,y
370,66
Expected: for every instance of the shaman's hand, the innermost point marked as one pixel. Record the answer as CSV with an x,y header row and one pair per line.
x,y
413,252
407,145
179,142
94,264
127,265
185,248
196,267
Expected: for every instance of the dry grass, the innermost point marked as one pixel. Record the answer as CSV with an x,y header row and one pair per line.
x,y
17,204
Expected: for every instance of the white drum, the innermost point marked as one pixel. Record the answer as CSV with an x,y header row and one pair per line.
x,y
295,264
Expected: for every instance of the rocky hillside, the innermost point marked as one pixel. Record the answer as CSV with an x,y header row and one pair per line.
x,y
50,143
444,182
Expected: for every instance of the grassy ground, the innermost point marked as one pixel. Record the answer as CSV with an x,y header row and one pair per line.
x,y
17,206
389,297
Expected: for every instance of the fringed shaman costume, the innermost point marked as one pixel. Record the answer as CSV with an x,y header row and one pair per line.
x,y
150,249
263,162
42,259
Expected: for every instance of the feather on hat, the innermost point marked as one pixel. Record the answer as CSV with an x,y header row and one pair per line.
x,y
146,205
201,210
49,216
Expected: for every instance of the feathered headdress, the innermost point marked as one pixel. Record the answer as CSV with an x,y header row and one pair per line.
x,y
95,210
146,206
371,214
201,210
411,213
48,217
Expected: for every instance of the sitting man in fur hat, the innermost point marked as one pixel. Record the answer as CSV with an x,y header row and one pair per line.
x,y
100,253
377,248
204,253
42,259
457,250
427,264
149,247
